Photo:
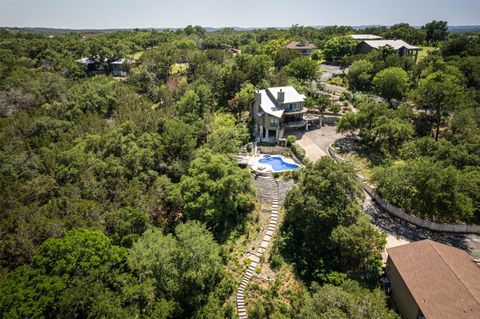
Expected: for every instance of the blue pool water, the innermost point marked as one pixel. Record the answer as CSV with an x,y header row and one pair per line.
x,y
278,164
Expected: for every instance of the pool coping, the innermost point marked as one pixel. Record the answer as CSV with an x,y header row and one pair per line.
x,y
260,168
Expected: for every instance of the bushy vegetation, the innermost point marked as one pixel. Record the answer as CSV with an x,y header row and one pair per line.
x,y
122,198
423,146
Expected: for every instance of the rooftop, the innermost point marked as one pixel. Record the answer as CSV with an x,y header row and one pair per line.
x,y
270,104
443,280
300,45
365,37
396,44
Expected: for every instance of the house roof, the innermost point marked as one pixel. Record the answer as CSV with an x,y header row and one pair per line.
x,y
300,45
85,61
365,37
443,280
270,104
396,44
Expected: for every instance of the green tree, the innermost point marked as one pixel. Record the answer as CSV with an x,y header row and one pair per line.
x,y
96,95
436,31
79,275
338,48
318,210
225,135
284,56
184,266
379,126
440,92
215,190
360,75
346,301
303,69
391,83
127,225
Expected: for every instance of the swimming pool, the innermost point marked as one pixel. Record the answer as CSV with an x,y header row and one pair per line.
x,y
277,163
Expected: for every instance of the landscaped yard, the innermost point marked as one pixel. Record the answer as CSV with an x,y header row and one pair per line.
x,y
423,53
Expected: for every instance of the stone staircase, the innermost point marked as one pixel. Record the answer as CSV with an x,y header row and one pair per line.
x,y
256,256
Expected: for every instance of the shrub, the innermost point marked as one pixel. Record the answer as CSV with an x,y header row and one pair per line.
x,y
276,260
291,139
346,96
298,151
335,108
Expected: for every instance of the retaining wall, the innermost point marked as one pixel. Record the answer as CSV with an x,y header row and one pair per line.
x,y
398,212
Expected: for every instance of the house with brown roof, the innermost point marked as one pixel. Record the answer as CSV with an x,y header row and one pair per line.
x,y
303,48
432,280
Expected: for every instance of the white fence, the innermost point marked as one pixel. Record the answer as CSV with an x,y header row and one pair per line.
x,y
397,212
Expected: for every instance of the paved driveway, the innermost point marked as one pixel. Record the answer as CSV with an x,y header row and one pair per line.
x,y
315,142
399,232
329,71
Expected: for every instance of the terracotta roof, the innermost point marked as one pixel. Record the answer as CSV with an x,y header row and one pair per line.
x,y
443,280
300,45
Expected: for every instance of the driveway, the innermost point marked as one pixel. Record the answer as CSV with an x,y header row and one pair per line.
x,y
399,232
315,141
329,71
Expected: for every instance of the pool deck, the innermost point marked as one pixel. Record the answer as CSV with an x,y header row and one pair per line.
x,y
266,168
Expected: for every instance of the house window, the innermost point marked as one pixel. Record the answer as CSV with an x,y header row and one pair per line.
x,y
293,107
274,122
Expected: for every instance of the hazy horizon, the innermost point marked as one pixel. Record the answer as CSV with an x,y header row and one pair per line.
x,y
118,14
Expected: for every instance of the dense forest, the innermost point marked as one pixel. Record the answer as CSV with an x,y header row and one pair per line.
x,y
121,197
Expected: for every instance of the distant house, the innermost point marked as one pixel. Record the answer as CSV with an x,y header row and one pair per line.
x,y
117,67
275,110
234,51
91,66
402,47
431,280
303,48
363,37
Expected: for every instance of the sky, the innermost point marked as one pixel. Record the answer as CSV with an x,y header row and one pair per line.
x,y
100,14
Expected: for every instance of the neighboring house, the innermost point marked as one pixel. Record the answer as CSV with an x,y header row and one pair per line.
x,y
363,37
117,67
234,51
275,110
432,280
303,48
91,66
402,47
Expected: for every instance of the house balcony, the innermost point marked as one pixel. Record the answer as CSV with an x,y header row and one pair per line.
x,y
302,111
292,124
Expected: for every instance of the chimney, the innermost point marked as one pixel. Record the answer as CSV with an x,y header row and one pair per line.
x,y
281,96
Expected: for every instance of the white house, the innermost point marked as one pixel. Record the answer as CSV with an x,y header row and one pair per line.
x,y
276,109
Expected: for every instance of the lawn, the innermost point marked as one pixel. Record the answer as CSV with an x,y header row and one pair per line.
x,y
423,53
136,55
